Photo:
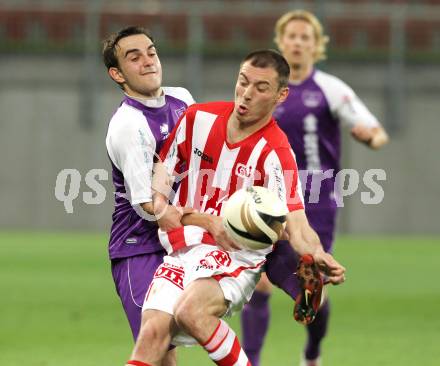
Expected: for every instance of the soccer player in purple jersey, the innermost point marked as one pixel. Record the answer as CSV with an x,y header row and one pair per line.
x,y
136,132
317,105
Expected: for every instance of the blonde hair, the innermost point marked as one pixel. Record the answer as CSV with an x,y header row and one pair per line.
x,y
304,15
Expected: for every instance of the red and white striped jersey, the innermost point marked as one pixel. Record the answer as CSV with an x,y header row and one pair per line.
x,y
210,168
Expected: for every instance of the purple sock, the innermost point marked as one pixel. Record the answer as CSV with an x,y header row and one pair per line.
x,y
316,332
254,324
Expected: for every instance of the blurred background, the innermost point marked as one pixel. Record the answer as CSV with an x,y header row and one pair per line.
x,y
57,301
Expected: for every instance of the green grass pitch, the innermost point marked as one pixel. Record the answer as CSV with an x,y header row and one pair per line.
x,y
58,305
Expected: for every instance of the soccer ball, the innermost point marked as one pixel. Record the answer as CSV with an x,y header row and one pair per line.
x,y
254,217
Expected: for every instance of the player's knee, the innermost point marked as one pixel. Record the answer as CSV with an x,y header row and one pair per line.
x,y
188,315
153,332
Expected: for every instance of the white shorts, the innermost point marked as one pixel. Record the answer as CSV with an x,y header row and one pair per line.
x,y
236,276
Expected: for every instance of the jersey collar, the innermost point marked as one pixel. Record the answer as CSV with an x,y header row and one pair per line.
x,y
145,102
310,77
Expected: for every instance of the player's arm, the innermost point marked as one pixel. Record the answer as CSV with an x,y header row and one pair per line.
x,y
212,224
131,150
171,155
283,178
373,137
168,216
353,113
147,207
304,240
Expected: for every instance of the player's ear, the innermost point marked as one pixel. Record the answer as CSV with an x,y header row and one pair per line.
x,y
282,95
116,75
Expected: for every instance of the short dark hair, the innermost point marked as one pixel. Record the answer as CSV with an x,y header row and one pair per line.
x,y
271,58
109,44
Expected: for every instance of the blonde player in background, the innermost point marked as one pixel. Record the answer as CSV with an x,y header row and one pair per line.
x,y
317,106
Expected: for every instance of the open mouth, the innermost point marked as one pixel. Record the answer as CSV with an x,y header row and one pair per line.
x,y
242,109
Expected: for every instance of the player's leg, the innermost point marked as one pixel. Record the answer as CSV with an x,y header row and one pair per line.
x,y
280,268
154,338
132,277
323,221
255,320
158,325
198,313
170,358
317,330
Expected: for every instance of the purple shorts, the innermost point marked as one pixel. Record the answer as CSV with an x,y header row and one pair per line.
x,y
132,277
282,262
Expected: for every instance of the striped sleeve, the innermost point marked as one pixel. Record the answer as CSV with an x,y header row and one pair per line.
x,y
281,177
184,236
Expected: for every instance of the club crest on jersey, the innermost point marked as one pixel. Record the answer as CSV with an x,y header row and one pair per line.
x,y
311,98
164,131
244,171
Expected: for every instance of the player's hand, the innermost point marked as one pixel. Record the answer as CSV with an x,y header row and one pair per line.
x,y
380,138
218,232
334,271
362,133
169,217
374,137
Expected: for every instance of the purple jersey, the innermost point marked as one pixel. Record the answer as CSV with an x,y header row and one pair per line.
x,y
311,117
135,134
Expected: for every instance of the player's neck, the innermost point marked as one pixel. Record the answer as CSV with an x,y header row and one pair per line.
x,y
299,73
237,131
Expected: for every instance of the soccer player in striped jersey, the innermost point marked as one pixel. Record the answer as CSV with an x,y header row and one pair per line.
x,y
215,149
136,132
311,116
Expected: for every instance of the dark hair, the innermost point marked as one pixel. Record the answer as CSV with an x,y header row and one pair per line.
x,y
109,44
271,58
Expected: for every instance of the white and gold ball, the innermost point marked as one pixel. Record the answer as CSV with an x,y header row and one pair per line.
x,y
254,217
